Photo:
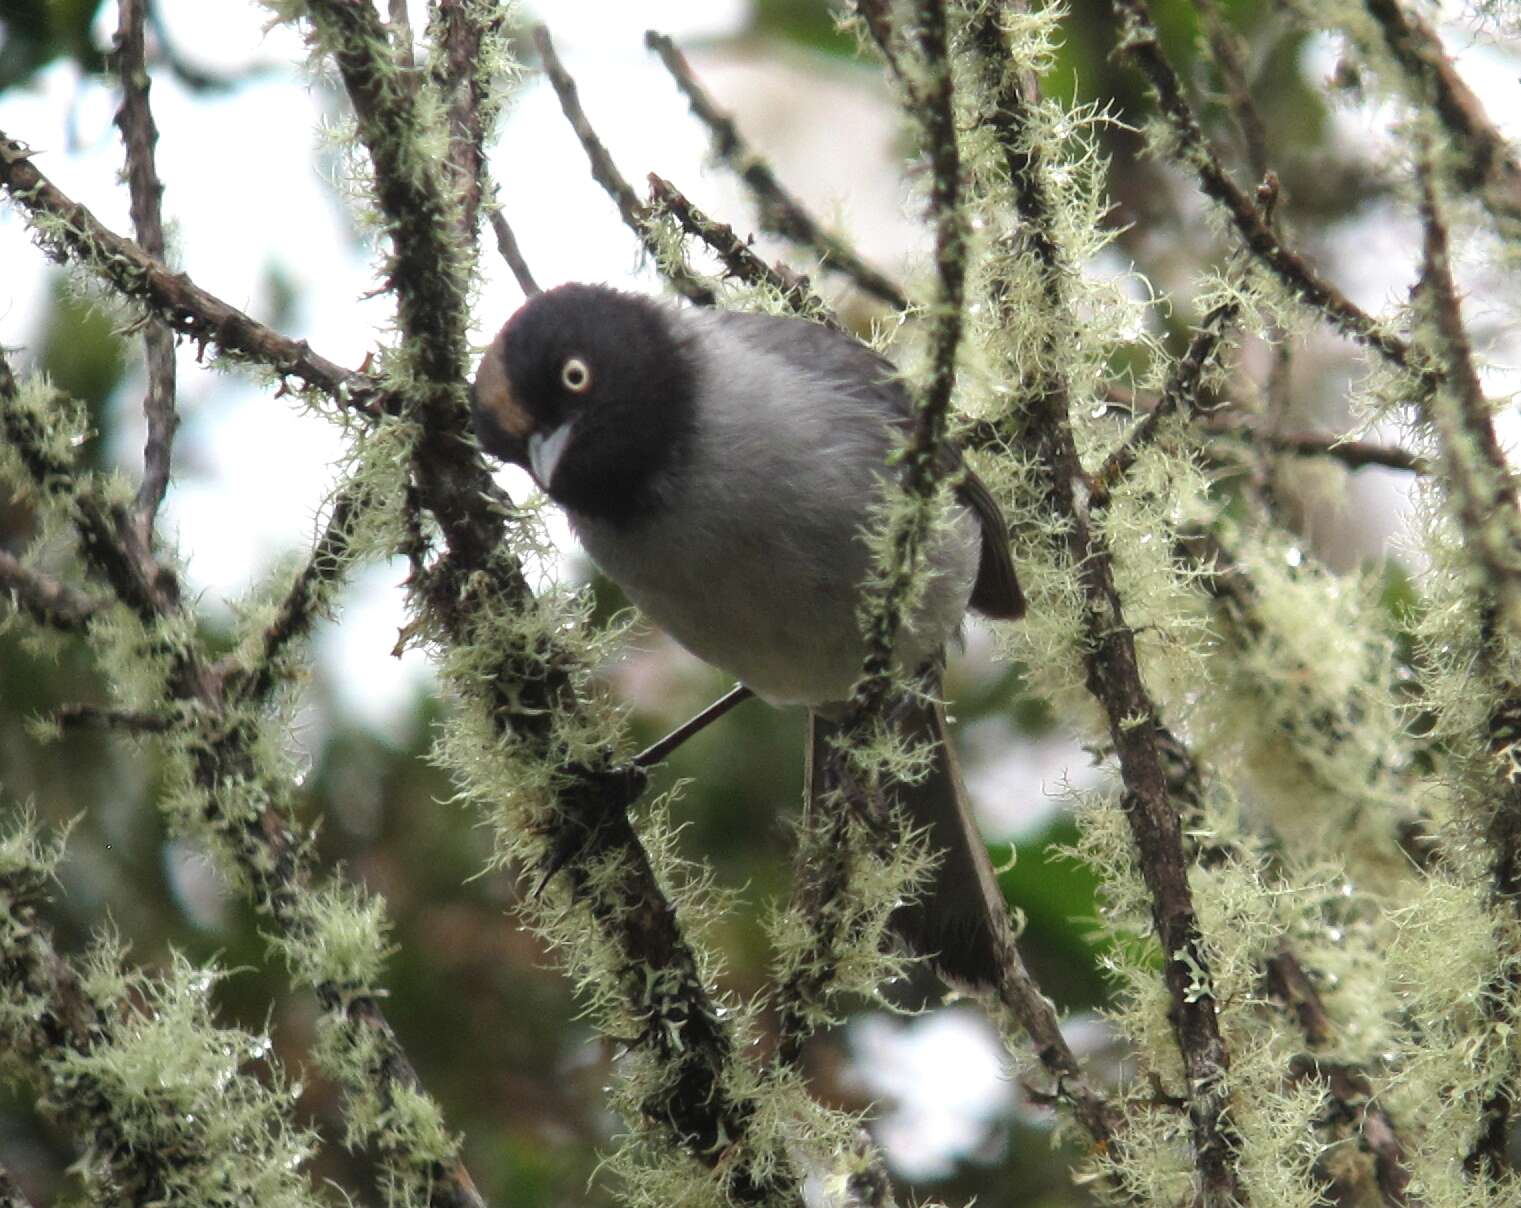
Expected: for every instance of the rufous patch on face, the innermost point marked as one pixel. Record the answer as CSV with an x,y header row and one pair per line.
x,y
494,395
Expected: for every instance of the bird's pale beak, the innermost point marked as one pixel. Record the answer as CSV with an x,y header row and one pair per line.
x,y
544,452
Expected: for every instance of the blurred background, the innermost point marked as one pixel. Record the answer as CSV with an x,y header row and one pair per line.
x,y
257,214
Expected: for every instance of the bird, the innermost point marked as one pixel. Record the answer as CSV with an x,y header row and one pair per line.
x,y
723,469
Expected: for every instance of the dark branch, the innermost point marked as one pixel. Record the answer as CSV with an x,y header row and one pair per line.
x,y
1488,164
1478,475
68,230
1140,43
1354,454
460,31
1226,50
507,244
255,677
1043,431
96,717
43,597
739,261
135,119
635,214
1180,394
780,212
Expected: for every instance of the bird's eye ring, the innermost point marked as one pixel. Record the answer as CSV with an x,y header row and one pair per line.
x,y
575,375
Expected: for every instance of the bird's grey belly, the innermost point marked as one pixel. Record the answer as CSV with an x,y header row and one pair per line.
x,y
777,604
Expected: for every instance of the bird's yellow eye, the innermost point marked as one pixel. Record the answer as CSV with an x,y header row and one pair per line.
x,y
575,375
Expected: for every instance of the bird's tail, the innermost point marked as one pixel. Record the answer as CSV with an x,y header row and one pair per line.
x,y
960,922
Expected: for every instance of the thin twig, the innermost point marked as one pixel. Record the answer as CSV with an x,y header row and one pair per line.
x,y
507,244
1354,454
1044,433
605,172
1181,394
1139,41
460,32
738,259
1478,475
253,677
401,32
99,717
780,212
1489,165
46,599
135,119
877,16
1353,1107
68,229
1225,49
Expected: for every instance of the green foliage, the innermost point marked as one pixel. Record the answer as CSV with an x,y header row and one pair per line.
x,y
36,32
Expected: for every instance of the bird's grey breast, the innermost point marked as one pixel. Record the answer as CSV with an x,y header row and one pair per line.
x,y
756,557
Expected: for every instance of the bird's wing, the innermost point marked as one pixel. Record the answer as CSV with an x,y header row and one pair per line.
x,y
820,352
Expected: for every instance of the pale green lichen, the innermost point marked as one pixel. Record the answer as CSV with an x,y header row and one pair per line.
x,y
182,1091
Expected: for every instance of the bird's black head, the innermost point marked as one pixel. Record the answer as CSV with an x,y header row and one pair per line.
x,y
593,390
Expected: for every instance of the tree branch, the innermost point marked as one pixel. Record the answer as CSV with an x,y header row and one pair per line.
x,y
1109,654
737,258
1488,162
135,119
263,842
1476,469
461,33
1180,394
605,172
780,212
1139,42
69,231
507,244
43,597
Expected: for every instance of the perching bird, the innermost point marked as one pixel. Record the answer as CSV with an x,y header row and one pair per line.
x,y
722,469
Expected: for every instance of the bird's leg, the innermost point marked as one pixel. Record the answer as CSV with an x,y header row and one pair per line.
x,y
657,752
612,791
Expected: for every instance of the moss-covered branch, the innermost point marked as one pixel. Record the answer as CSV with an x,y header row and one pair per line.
x,y
43,597
67,230
135,118
160,1099
780,211
469,53
1043,431
736,255
1486,162
1139,41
